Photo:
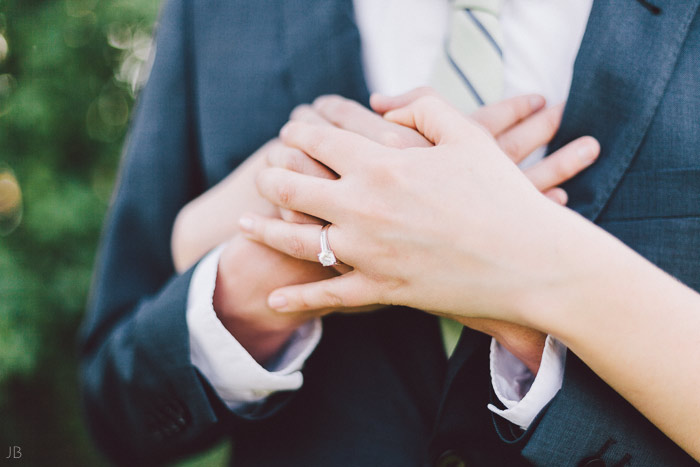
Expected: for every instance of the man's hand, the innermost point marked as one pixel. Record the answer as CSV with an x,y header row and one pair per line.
x,y
430,228
248,272
520,125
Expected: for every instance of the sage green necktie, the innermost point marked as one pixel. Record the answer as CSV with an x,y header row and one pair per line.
x,y
469,73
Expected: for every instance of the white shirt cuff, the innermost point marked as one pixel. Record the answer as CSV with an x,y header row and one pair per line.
x,y
523,394
234,374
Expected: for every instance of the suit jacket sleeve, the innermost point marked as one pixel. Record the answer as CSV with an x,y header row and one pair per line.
x,y
142,397
588,423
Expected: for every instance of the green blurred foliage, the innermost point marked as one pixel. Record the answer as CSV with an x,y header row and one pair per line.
x,y
69,70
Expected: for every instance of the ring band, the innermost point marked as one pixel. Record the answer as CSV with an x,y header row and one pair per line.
x,y
326,256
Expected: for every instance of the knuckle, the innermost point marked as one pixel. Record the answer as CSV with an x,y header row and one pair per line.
x,y
552,122
345,109
264,233
332,299
262,180
291,127
315,145
296,247
299,112
293,160
382,173
272,155
276,156
285,194
329,104
303,301
391,138
510,146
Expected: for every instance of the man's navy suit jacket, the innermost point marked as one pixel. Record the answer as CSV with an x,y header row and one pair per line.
x,y
377,390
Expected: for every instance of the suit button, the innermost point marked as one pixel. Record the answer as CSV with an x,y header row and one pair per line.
x,y
450,458
592,462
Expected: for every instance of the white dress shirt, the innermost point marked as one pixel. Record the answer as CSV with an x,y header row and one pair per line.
x,y
400,41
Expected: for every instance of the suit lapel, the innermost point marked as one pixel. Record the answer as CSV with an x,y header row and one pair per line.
x,y
624,64
322,50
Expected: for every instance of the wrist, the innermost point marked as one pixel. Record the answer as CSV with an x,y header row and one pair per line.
x,y
261,344
529,352
261,331
180,240
581,268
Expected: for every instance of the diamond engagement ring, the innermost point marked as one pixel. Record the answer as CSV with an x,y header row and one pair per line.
x,y
326,256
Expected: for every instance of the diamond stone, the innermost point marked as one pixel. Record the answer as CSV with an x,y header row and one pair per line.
x,y
327,258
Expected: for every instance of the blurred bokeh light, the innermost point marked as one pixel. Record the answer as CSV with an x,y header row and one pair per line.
x,y
10,201
69,72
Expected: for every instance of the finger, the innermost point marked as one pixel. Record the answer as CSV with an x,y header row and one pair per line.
x,y
498,117
298,192
564,163
383,104
336,148
352,116
519,141
306,113
558,195
435,119
295,160
348,290
301,241
296,217
342,268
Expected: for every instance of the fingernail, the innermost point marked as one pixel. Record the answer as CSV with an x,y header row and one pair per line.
x,y
276,302
536,102
246,224
587,153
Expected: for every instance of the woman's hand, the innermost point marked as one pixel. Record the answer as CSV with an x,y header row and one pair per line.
x,y
212,218
519,124
428,227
